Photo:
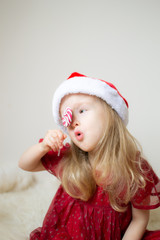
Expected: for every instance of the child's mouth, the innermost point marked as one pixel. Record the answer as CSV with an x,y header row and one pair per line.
x,y
79,135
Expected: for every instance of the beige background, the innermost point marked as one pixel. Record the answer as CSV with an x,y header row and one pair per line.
x,y
42,42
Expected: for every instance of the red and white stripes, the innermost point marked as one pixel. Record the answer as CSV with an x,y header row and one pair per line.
x,y
67,117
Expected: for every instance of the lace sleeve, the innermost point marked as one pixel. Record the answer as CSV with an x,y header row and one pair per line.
x,y
149,196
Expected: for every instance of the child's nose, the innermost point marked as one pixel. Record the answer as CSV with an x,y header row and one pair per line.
x,y
74,122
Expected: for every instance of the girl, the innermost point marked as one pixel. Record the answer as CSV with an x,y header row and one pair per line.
x,y
107,187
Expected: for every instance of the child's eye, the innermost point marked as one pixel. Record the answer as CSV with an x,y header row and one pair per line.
x,y
82,111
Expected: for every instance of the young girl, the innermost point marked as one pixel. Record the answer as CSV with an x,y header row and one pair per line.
x,y
107,187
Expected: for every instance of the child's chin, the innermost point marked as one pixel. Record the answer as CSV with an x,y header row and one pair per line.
x,y
86,149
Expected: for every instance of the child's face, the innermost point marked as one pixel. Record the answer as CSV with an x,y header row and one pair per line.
x,y
88,120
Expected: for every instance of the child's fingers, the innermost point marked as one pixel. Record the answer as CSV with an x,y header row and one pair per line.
x,y
54,139
52,144
59,136
57,142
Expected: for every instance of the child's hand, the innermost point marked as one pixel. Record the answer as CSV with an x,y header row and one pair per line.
x,y
53,140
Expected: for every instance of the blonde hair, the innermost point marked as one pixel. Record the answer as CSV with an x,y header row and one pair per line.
x,y
116,165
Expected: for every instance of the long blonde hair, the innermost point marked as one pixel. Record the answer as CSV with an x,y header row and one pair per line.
x,y
116,165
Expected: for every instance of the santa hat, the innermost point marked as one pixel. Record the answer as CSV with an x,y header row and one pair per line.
x,y
78,83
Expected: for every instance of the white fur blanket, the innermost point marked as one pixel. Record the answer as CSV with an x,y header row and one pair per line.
x,y
25,198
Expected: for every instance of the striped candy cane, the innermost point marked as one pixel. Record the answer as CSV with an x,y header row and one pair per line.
x,y
67,117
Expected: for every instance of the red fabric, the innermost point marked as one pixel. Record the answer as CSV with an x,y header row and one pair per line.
x,y
69,218
149,197
76,74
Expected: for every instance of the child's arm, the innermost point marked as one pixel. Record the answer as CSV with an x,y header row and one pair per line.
x,y
138,224
31,159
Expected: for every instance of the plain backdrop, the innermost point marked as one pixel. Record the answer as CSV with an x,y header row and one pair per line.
x,y
43,41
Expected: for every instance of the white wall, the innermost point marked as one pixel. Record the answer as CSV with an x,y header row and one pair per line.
x,y
43,41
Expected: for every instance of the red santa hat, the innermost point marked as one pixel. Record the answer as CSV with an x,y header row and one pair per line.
x,y
79,83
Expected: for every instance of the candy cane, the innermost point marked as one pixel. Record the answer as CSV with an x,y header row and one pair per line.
x,y
67,117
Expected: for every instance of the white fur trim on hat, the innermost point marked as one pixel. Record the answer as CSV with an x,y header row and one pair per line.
x,y
91,86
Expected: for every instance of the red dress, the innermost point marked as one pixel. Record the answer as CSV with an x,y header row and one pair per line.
x,y
69,218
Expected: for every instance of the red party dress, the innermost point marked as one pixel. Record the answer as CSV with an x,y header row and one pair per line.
x,y
68,218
